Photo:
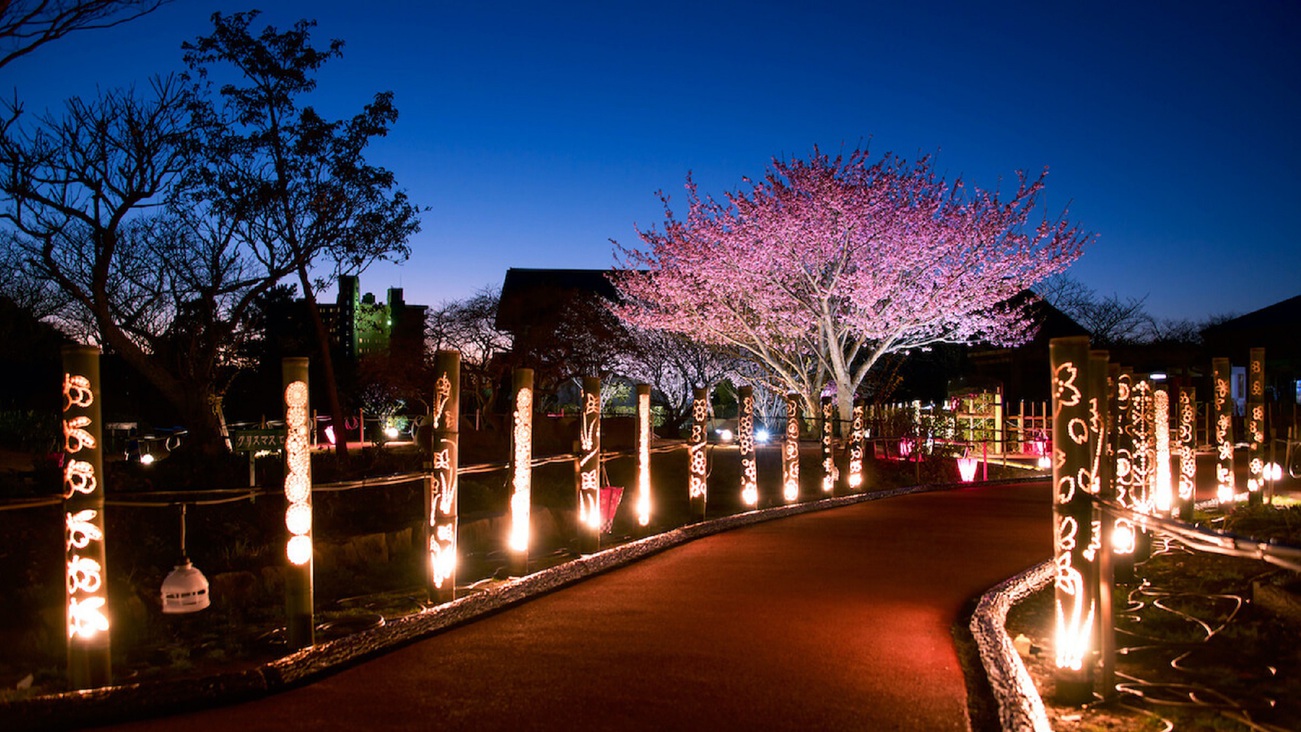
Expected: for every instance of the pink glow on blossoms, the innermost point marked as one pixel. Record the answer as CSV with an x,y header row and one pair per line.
x,y
836,262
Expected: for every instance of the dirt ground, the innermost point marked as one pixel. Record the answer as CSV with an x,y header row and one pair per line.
x,y
1194,651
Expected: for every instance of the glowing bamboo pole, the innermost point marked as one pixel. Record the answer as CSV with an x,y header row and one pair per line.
x,y
1163,500
89,664
791,450
1102,378
1256,425
587,468
1074,425
1124,536
829,472
1187,434
1141,415
856,448
521,470
1224,478
299,618
643,454
441,498
745,440
697,466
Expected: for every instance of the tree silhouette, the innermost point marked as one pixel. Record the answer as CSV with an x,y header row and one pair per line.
x,y
290,176
26,25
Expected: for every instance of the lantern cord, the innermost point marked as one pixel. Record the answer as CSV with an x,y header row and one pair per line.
x,y
183,554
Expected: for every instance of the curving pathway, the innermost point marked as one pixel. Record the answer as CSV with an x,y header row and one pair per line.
x,y
838,619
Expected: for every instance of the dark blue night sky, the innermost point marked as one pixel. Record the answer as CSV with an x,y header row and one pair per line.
x,y
536,132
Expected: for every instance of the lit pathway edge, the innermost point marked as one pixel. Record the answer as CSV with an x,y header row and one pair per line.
x,y
113,704
1019,704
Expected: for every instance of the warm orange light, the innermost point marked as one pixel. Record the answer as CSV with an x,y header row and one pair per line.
x,y
86,609
1164,498
697,465
299,550
643,455
745,439
828,458
589,460
1123,537
1224,479
791,451
298,475
1076,429
1187,454
521,477
856,447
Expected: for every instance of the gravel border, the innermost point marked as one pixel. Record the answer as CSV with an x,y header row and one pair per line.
x,y
1019,704
115,704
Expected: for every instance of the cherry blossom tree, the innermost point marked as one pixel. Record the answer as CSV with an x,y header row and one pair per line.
x,y
826,265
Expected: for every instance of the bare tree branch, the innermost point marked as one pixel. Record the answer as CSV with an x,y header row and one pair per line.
x,y
26,25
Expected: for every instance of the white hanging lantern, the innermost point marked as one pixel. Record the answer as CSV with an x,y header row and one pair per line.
x,y
185,589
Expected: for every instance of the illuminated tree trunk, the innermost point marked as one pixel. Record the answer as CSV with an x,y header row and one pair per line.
x,y
1074,479
1187,435
441,496
521,470
1224,479
643,454
1256,426
299,622
697,467
791,450
745,440
89,663
829,472
587,469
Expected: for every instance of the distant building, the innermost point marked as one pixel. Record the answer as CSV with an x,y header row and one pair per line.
x,y
1277,329
534,300
1021,371
360,326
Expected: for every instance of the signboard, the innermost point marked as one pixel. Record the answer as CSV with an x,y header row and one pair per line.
x,y
257,440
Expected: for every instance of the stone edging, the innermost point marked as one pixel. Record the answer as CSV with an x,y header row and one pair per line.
x,y
1019,704
75,709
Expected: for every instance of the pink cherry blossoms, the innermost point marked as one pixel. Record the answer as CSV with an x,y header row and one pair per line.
x,y
828,264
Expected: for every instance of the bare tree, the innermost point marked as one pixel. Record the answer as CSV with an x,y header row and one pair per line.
x,y
674,365
151,269
26,25
1110,320
470,327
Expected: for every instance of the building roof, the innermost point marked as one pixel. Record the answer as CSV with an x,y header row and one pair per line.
x,y
527,295
1276,328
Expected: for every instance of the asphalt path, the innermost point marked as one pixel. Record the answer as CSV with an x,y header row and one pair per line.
x,y
838,620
